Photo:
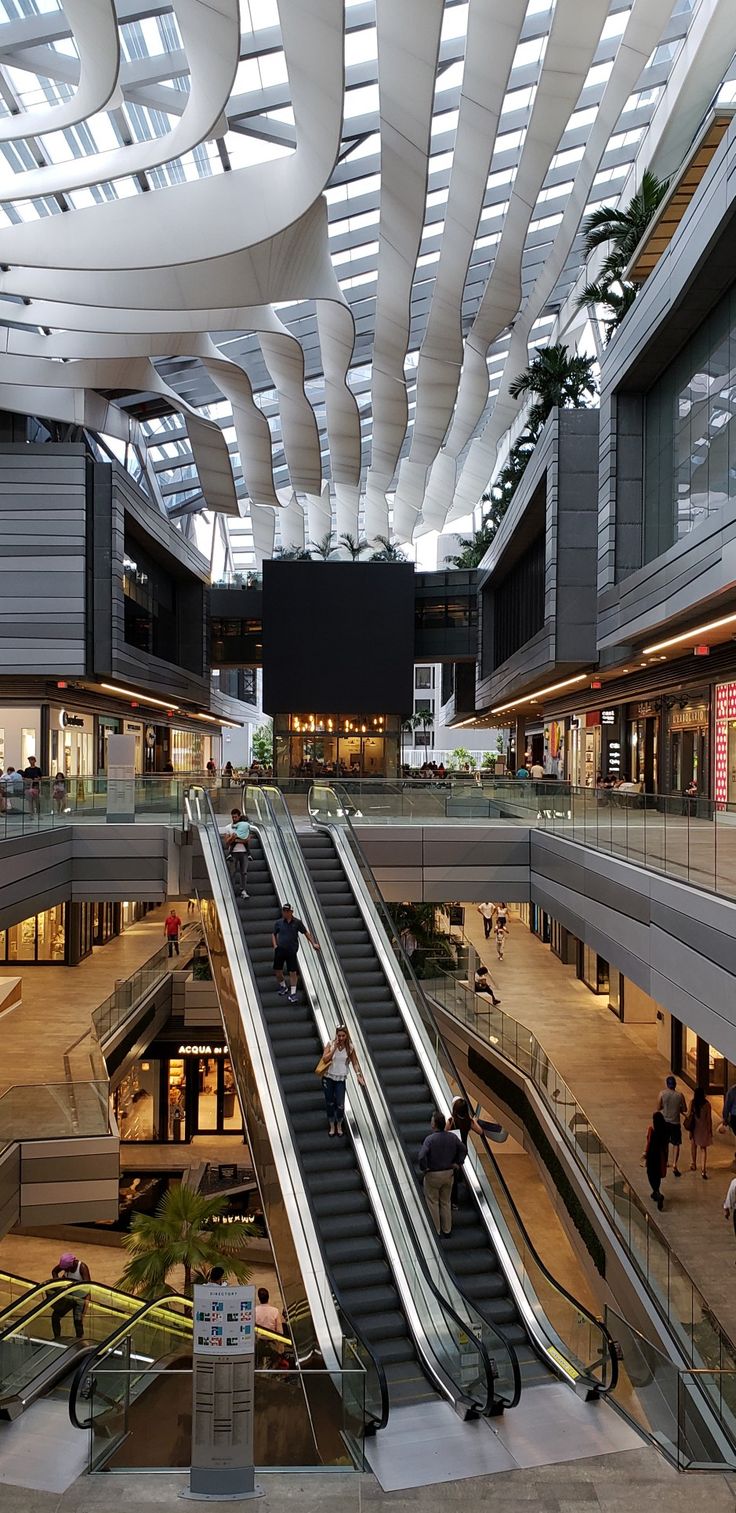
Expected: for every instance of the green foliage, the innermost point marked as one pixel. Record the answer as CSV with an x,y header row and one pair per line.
x,y
201,969
186,1230
352,546
623,230
489,760
262,745
423,922
291,554
559,379
389,551
323,548
459,758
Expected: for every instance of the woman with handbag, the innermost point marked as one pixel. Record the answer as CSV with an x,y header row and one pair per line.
x,y
337,1056
699,1124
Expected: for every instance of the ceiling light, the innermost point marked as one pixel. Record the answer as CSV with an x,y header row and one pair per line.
x,y
691,635
145,698
540,693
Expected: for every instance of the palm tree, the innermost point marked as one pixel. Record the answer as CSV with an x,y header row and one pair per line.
x,y
184,1231
389,551
291,554
559,379
324,547
351,546
623,229
407,725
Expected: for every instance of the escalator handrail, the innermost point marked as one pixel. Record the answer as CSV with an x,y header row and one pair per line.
x,y
554,1282
492,1399
410,976
375,1423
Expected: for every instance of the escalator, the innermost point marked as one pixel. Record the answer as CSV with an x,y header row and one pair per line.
x,y
488,1253
467,1249
345,1214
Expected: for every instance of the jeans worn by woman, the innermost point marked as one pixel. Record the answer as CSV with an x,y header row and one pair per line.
x,y
334,1091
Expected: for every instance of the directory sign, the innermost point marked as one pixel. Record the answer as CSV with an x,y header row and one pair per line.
x,y
224,1321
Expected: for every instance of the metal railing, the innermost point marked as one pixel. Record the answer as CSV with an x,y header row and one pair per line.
x,y
47,806
565,1333
704,1344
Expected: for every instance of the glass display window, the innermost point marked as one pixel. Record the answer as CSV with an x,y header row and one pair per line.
x,y
177,1100
41,939
336,745
137,1102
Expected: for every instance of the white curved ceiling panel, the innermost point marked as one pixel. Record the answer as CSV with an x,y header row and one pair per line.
x,y
210,33
322,229
408,39
94,27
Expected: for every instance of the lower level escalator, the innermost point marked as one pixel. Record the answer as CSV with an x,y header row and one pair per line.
x,y
334,1185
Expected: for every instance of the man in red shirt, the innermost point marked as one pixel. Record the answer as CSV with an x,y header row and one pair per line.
x,y
172,930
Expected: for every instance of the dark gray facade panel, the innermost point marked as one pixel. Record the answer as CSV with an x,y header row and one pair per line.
x,y
42,559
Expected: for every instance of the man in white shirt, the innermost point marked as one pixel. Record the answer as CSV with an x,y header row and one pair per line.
x,y
673,1105
536,771
486,914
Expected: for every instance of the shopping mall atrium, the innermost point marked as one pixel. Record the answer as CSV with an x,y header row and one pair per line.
x,y
368,754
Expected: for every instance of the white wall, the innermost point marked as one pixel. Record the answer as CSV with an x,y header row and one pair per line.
x,y
13,720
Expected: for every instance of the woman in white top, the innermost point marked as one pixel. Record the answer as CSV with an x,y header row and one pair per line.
x,y
337,1056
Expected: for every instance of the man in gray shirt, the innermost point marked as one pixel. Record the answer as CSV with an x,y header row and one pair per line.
x,y
441,1155
672,1104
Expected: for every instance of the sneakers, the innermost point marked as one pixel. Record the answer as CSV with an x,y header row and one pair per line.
x,y
292,998
676,1171
244,894
660,1202
283,991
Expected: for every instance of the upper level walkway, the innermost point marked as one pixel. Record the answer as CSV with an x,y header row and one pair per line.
x,y
693,840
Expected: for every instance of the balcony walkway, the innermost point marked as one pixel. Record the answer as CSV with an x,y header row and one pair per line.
x,y
616,1073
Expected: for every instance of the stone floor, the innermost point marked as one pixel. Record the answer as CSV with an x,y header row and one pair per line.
x,y
616,1073
628,1482
58,1001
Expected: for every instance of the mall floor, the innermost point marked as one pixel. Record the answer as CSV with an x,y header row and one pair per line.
x,y
616,1073
58,1001
627,1482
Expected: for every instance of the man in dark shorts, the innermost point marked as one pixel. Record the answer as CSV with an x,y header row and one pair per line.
x,y
672,1104
285,937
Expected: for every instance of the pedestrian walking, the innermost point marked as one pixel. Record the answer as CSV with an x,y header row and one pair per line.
x,y
728,1116
441,1155
32,778
729,1204
172,931
58,792
337,1056
482,984
502,928
285,938
69,1269
486,914
699,1124
655,1155
673,1105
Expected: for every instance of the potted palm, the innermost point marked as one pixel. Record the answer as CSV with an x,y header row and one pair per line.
x,y
185,1235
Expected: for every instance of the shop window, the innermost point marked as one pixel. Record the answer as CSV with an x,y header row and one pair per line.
x,y
136,1102
177,1096
423,677
593,969
40,939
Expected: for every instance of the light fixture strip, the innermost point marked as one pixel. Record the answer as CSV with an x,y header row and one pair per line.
x,y
541,693
690,635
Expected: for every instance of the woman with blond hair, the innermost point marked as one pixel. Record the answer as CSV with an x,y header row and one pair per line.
x,y
337,1056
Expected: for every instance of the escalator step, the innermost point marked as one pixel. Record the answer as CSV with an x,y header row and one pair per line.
x,y
390,1352
362,1274
365,1300
346,1204
384,1326
343,1249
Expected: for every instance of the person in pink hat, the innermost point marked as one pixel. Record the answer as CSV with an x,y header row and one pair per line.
x,y
70,1269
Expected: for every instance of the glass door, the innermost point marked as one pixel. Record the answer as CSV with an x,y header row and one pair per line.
x,y
207,1095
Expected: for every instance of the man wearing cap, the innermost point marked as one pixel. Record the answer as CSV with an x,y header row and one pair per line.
x,y
69,1269
285,938
672,1104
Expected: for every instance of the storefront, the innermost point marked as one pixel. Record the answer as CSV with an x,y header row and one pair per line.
x,y
167,748
592,969
71,743
39,940
345,745
644,742
179,1089
594,746
107,725
725,744
699,1063
688,736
